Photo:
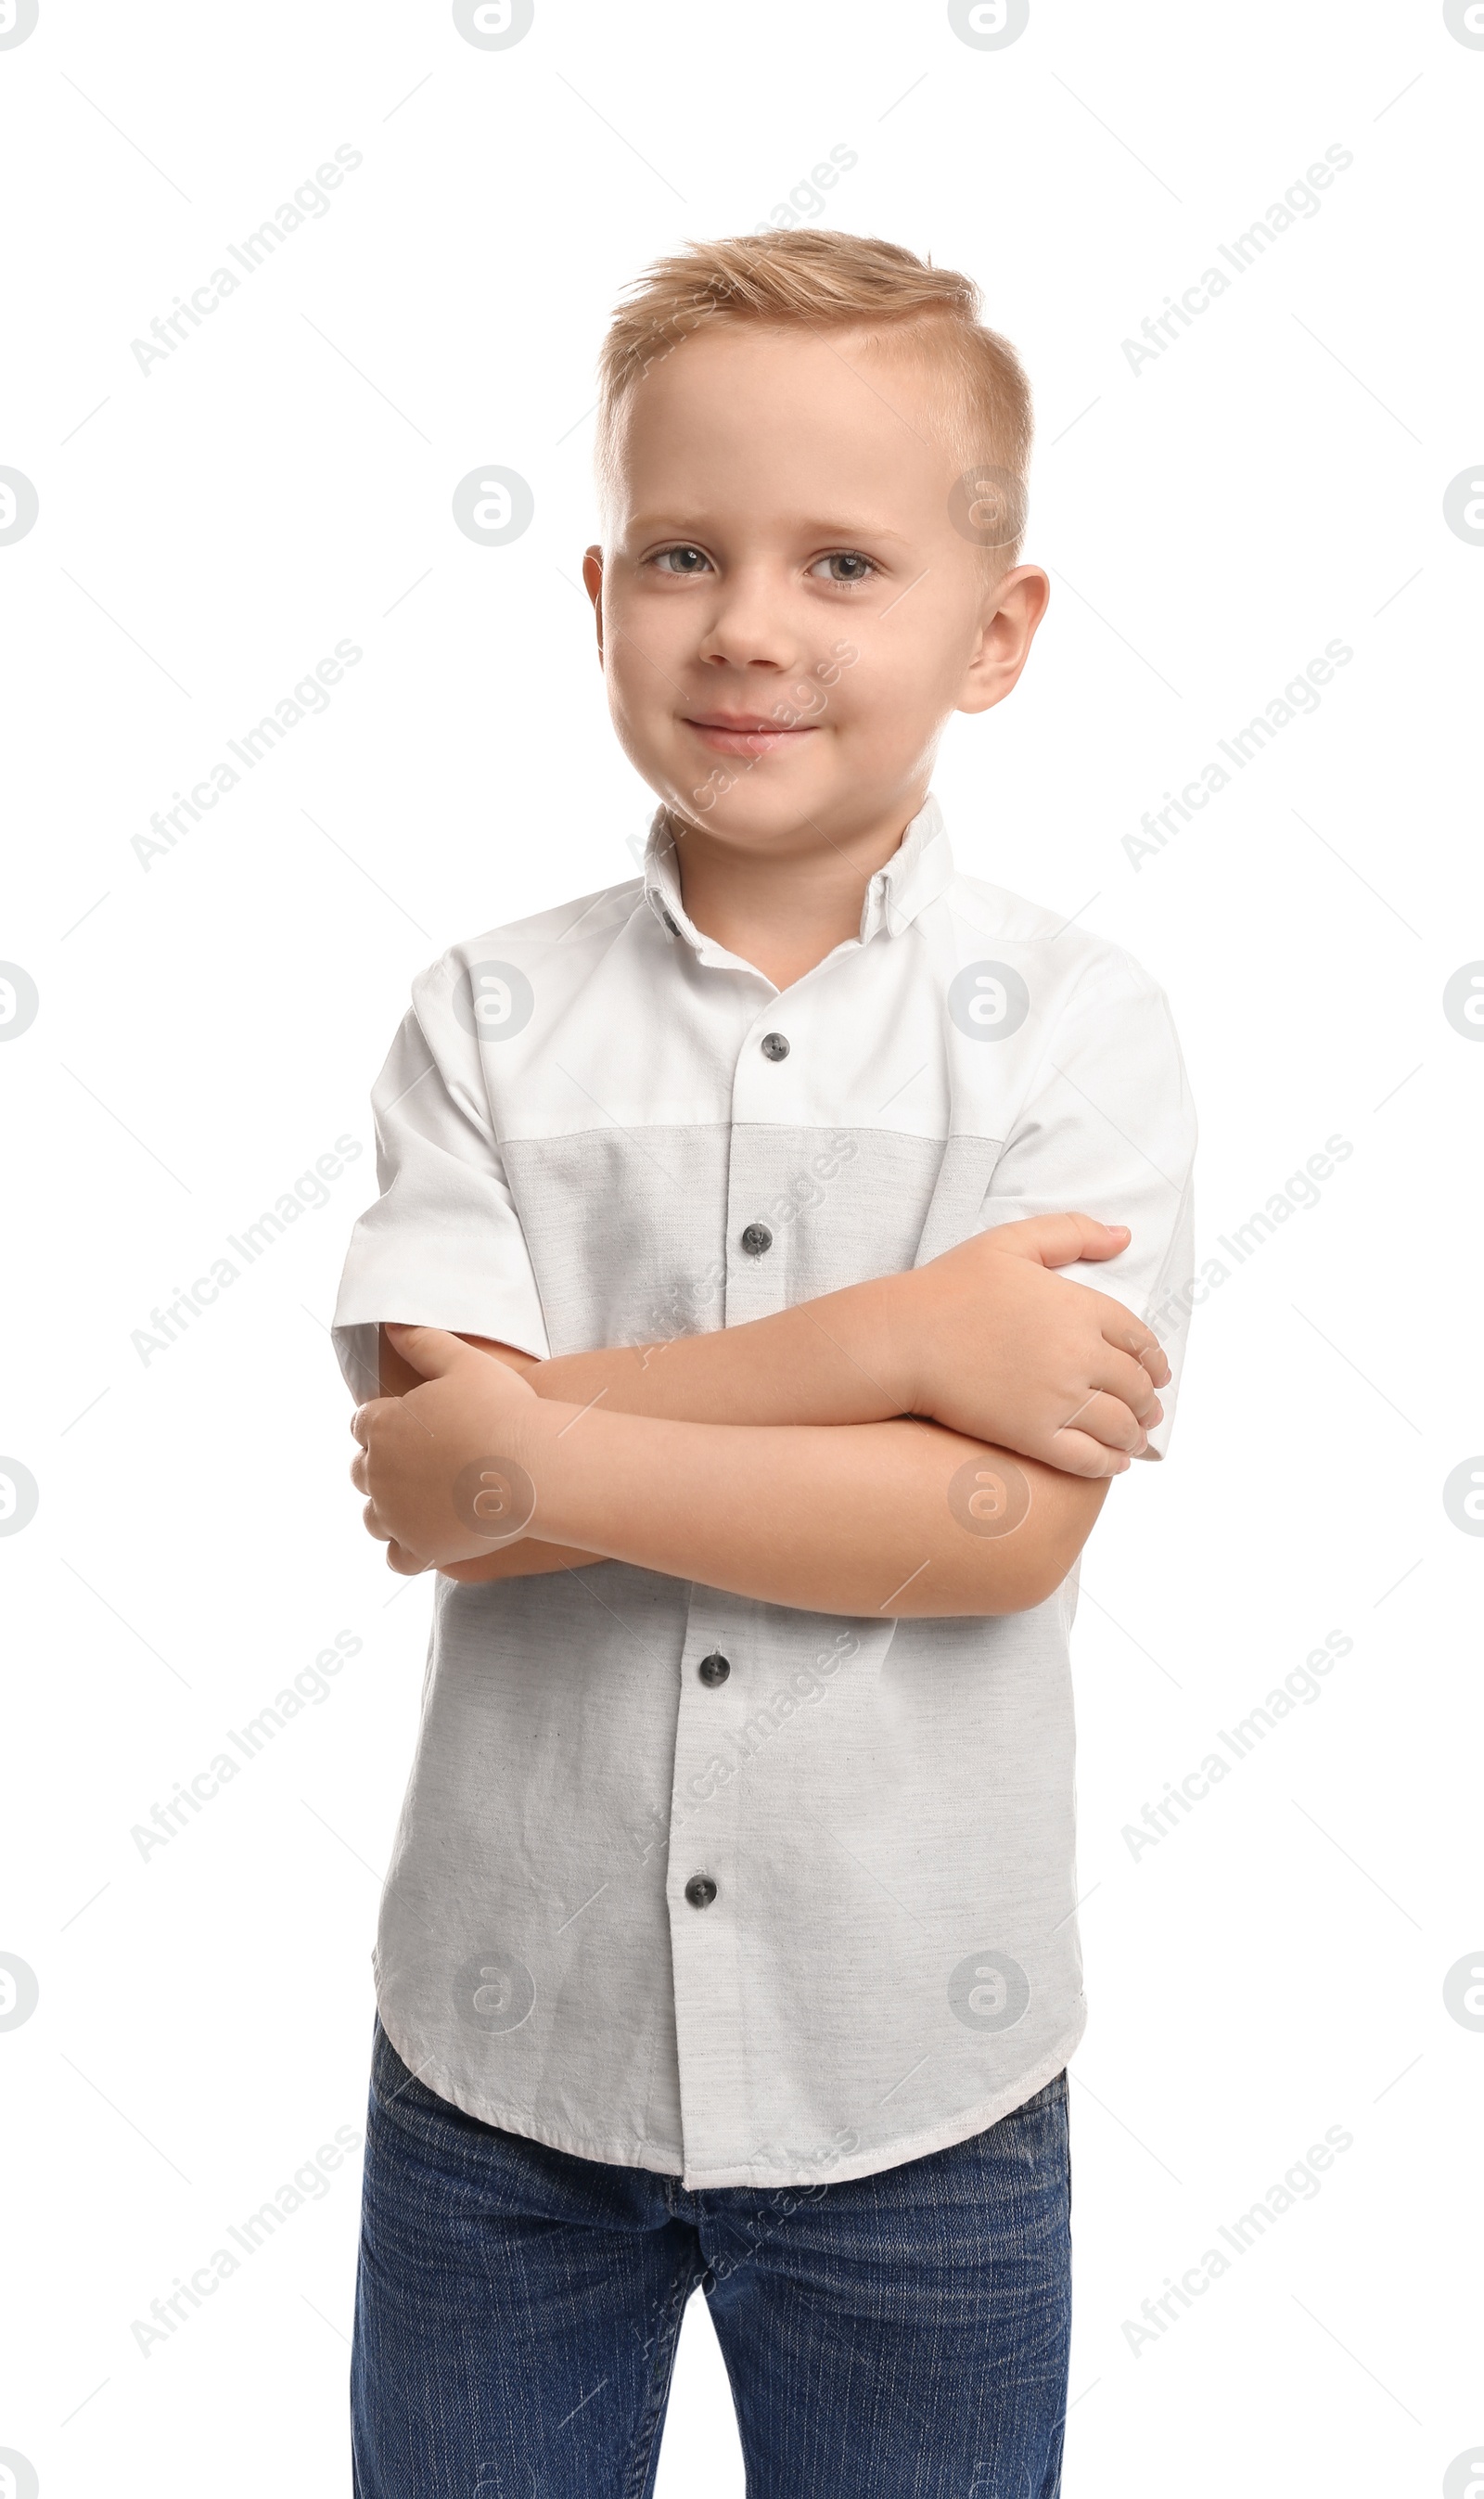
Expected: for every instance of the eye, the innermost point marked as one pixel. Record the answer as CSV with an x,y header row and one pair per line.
x,y
846,568
681,560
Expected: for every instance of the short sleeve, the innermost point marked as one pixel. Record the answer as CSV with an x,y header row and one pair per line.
x,y
442,1245
1109,1129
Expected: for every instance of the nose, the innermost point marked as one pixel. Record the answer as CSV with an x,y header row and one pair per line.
x,y
748,626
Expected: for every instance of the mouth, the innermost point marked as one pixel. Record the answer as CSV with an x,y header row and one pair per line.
x,y
745,733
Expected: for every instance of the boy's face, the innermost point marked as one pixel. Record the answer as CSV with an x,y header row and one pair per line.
x,y
787,612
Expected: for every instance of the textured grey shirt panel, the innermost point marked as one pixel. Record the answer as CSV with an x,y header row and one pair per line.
x,y
631,1234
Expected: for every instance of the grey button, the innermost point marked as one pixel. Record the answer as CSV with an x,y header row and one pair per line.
x,y
714,1669
700,1891
673,925
775,1045
756,1239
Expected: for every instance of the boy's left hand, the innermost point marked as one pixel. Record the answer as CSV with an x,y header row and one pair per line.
x,y
443,1467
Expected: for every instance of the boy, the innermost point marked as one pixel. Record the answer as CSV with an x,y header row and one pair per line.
x,y
729,1938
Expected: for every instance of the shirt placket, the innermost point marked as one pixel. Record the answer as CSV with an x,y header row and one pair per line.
x,y
720,1669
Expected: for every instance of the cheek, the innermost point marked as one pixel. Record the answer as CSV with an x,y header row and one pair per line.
x,y
899,691
644,642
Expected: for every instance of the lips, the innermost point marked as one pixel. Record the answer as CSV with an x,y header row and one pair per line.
x,y
744,733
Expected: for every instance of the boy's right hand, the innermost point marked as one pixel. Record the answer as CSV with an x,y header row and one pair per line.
x,y
1001,1348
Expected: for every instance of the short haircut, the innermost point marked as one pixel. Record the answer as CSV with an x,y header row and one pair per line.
x,y
817,280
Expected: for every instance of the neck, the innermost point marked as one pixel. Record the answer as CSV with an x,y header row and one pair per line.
x,y
786,905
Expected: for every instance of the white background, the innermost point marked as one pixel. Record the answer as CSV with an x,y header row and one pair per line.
x,y
211,1023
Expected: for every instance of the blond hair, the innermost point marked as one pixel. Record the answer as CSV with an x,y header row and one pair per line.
x,y
815,278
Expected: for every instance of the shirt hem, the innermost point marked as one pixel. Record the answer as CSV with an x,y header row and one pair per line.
x,y
438,2077
915,2147
940,2137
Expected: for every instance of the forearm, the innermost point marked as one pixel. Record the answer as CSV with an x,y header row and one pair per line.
x,y
865,1519
981,1351
841,1358
985,1338
833,1360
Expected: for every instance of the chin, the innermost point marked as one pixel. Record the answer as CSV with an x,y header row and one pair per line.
x,y
753,826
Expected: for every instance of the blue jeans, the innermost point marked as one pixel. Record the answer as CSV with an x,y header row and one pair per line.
x,y
902,2336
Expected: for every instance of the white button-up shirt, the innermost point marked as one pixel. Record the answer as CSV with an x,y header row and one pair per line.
x,y
577,1125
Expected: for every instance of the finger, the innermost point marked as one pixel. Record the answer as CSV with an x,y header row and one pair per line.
x,y
1120,1376
1107,1420
360,1470
404,1562
366,1418
1130,1335
1056,1240
431,1350
371,1520
1074,1454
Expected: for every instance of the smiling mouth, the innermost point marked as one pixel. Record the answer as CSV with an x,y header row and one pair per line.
x,y
745,733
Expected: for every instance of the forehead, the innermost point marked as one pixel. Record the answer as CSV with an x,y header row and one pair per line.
x,y
785,418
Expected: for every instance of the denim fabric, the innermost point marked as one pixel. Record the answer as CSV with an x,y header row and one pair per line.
x,y
899,2336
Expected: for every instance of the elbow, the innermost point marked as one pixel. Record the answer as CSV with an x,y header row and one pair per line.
x,y
1014,1574
1000,1582
1018,1528
1026,1584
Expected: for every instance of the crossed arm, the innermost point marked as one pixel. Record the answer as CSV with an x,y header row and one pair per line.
x,y
938,1443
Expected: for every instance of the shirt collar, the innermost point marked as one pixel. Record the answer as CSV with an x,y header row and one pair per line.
x,y
914,876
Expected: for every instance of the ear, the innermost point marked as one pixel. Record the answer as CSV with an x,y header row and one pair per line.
x,y
593,583
1012,610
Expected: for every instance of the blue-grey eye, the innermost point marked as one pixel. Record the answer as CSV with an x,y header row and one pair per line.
x,y
682,559
847,565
